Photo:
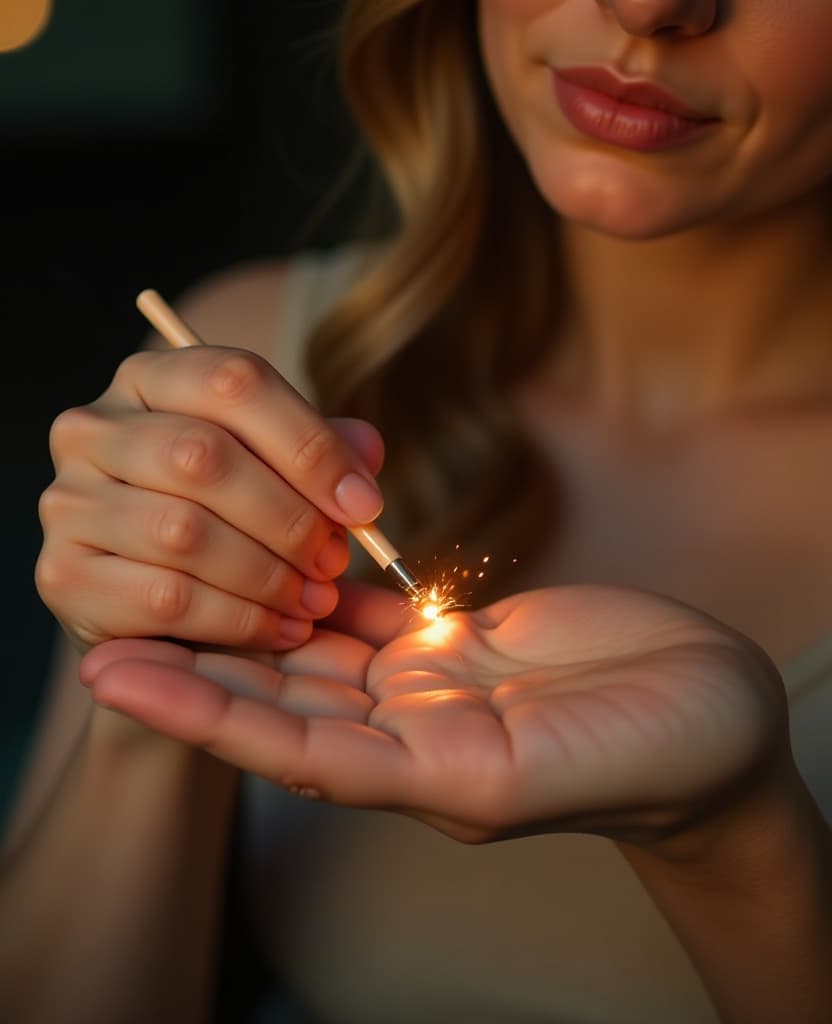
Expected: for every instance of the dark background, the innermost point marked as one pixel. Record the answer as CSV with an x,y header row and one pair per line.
x,y
142,144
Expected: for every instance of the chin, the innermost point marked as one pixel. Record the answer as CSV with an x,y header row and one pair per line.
x,y
623,202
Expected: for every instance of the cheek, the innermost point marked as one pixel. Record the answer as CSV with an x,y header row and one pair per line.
x,y
518,9
787,62
499,27
788,56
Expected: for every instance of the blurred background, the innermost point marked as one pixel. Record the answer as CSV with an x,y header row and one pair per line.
x,y
142,144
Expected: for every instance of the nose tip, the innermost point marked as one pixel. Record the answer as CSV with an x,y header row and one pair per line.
x,y
649,17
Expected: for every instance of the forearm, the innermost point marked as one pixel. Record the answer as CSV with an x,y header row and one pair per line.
x,y
750,898
110,909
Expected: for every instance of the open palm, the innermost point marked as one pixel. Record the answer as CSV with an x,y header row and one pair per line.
x,y
592,708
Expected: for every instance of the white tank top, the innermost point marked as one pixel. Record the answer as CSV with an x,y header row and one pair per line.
x,y
370,917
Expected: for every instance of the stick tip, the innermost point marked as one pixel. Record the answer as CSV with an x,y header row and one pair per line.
x,y
146,298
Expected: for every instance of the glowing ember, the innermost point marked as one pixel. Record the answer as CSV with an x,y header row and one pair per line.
x,y
431,610
435,600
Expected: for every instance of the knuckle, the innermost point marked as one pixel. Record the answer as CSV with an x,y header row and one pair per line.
x,y
51,576
178,529
301,527
313,448
275,580
69,427
169,596
237,375
52,505
301,789
199,455
57,580
131,366
276,686
251,621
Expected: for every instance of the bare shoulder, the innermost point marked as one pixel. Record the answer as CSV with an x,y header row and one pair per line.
x,y
271,306
237,307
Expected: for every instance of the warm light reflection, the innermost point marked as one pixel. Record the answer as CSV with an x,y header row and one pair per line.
x,y
437,632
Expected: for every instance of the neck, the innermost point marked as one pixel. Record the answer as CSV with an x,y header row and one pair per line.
x,y
669,330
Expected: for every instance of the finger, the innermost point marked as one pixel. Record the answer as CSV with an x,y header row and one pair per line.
x,y
164,530
384,687
305,695
338,659
370,613
343,658
128,599
364,439
342,761
97,659
204,464
242,393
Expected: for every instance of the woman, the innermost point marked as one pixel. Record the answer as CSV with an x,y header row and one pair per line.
x,y
611,274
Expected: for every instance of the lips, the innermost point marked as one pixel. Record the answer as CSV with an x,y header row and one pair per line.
x,y
639,94
629,115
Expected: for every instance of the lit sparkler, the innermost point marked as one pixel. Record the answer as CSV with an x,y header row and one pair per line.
x,y
436,598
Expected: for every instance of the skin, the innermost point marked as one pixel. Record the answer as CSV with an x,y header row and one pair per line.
x,y
550,710
763,72
740,216
209,496
485,725
769,146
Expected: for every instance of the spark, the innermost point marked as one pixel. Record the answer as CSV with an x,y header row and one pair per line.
x,y
436,599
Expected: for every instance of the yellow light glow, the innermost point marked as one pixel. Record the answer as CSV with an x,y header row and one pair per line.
x,y
435,600
22,21
437,596
437,632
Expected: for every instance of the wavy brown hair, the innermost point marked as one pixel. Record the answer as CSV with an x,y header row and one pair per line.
x,y
430,342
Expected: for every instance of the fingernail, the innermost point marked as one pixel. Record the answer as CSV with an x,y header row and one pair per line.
x,y
295,632
318,598
358,499
334,556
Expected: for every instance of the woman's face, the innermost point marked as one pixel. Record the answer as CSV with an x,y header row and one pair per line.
x,y
731,114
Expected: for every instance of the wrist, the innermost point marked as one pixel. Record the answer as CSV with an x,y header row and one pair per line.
x,y
766,820
747,890
115,744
